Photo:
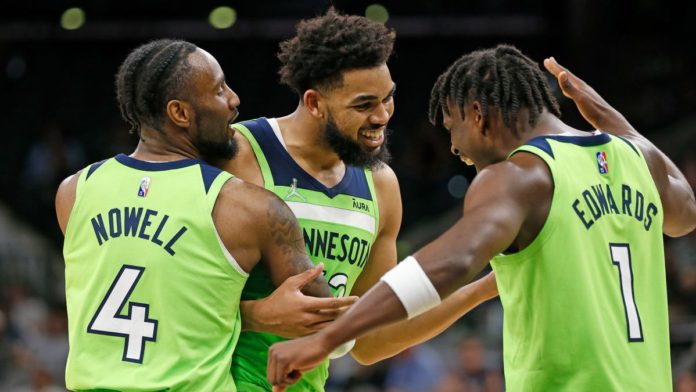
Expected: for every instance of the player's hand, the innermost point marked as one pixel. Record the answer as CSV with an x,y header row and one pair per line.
x,y
287,312
288,360
591,105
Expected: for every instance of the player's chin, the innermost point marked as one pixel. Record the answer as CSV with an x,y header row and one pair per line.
x,y
372,151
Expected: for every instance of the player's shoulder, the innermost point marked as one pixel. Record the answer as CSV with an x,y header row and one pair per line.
x,y
246,213
243,155
524,173
383,176
388,195
68,187
240,190
65,198
650,152
69,184
241,139
243,199
71,180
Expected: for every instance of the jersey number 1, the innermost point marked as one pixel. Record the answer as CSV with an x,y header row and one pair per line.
x,y
135,326
621,257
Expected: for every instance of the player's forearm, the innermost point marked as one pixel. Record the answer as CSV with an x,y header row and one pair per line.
x,y
610,120
412,289
392,339
361,317
252,315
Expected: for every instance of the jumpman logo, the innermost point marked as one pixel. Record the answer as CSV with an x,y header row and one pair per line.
x,y
293,191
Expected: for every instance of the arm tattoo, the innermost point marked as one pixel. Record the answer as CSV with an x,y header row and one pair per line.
x,y
285,230
287,235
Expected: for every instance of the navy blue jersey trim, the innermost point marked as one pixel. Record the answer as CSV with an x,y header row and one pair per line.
x,y
630,145
284,169
154,166
209,174
542,144
94,168
584,141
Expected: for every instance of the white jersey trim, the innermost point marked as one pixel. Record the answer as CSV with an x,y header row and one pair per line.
x,y
333,215
229,257
276,129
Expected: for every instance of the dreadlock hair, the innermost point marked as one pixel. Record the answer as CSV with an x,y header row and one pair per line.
x,y
330,44
500,77
151,75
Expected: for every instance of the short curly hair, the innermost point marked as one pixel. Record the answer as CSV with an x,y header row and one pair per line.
x,y
326,46
500,77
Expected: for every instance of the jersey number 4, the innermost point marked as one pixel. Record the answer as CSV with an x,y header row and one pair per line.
x,y
135,326
621,257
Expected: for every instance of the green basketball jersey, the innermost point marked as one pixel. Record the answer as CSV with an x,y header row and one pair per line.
x,y
152,294
585,303
339,226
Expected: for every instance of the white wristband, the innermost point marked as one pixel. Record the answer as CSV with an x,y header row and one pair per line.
x,y
342,349
410,283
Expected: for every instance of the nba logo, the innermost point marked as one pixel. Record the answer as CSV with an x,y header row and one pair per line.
x,y
144,187
602,163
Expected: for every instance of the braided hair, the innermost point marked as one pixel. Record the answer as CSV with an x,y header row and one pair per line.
x,y
151,75
330,44
500,77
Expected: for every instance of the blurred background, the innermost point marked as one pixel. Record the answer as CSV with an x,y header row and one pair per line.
x,y
57,63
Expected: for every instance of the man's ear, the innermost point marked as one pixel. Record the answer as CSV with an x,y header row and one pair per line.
x,y
314,102
180,113
479,118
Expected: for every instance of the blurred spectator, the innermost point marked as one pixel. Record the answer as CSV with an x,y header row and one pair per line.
x,y
682,252
4,346
685,381
416,369
50,348
51,157
33,343
347,375
26,312
473,373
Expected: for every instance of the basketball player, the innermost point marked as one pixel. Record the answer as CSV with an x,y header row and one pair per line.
x,y
328,161
158,245
572,222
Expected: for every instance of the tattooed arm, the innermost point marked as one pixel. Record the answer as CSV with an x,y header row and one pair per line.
x,y
255,225
287,312
283,252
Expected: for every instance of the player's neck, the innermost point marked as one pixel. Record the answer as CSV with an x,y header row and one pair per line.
x,y
156,146
549,124
304,139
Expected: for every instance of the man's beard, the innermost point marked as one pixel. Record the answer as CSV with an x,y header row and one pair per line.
x,y
213,150
350,152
